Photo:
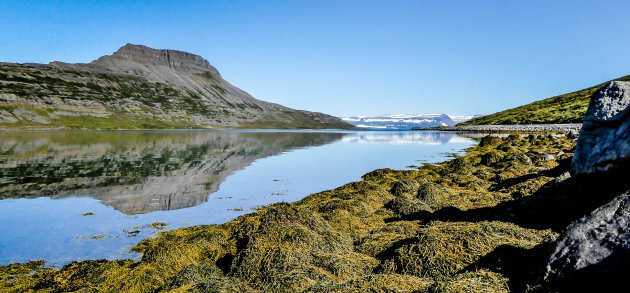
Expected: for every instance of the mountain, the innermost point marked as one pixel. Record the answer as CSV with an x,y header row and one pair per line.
x,y
138,87
567,108
404,122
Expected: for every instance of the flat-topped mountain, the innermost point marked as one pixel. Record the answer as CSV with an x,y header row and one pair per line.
x,y
138,87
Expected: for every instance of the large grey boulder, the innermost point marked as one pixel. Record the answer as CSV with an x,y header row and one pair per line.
x,y
595,247
604,141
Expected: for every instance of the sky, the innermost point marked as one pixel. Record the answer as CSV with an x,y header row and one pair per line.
x,y
350,57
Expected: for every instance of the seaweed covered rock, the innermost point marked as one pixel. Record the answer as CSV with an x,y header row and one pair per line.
x,y
490,158
379,283
431,192
193,274
490,140
479,281
442,249
295,249
604,141
594,249
406,205
404,186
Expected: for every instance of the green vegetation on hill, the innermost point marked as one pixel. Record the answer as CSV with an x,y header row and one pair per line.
x,y
567,108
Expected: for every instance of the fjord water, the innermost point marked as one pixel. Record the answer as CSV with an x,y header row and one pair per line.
x,y
88,195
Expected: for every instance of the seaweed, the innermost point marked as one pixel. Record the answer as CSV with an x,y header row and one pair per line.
x,y
442,228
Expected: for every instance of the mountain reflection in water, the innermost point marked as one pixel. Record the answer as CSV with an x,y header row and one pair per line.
x,y
136,172
68,196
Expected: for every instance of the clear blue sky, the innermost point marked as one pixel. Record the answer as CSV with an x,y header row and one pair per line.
x,y
350,57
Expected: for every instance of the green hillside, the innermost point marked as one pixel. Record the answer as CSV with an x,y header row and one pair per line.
x,y
567,108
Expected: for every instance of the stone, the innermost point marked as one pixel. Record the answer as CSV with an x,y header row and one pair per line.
x,y
563,176
572,134
547,157
594,248
604,141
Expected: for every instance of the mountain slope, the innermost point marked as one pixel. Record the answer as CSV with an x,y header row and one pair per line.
x,y
567,108
138,88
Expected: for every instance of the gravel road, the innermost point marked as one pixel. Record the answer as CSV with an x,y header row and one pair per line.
x,y
521,127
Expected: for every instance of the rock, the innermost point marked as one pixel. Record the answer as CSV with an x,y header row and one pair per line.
x,y
572,134
604,141
563,176
594,248
547,157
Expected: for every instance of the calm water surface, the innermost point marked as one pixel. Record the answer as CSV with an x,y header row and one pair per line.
x,y
73,196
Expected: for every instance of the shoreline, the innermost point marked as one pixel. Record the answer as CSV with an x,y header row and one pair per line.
x,y
511,128
437,228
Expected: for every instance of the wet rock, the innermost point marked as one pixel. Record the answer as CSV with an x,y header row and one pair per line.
x,y
595,249
604,142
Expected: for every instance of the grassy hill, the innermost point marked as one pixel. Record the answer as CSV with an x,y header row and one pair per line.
x,y
567,108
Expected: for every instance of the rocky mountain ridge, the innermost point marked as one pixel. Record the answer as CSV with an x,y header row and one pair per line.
x,y
138,87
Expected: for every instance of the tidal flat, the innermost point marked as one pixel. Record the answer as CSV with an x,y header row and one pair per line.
x,y
483,221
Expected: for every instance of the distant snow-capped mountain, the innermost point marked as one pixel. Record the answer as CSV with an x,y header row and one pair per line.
x,y
404,121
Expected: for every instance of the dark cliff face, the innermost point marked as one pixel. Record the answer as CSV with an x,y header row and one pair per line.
x,y
138,87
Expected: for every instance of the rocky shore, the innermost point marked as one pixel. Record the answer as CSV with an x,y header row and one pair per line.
x,y
512,128
517,213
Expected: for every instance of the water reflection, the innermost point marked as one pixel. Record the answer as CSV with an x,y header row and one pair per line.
x,y
406,137
128,180
136,172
